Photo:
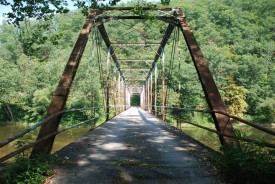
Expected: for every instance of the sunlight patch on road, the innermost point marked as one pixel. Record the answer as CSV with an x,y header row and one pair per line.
x,y
114,146
98,156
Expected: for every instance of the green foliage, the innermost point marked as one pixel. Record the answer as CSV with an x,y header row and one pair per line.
x,y
135,100
234,98
45,9
236,38
24,170
40,10
249,164
21,143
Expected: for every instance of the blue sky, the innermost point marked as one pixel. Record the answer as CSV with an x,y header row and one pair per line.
x,y
5,9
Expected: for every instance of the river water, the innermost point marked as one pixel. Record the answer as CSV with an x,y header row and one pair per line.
x,y
63,139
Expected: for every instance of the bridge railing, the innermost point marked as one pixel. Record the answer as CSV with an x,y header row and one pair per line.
x,y
175,113
31,128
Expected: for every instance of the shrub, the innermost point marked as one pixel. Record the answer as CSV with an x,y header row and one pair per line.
x,y
31,171
249,164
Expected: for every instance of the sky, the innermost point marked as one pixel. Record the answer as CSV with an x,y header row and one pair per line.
x,y
5,9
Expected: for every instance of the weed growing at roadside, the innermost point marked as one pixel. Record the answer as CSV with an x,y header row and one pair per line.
x,y
31,171
249,164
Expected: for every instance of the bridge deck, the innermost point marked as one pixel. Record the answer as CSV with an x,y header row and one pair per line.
x,y
133,147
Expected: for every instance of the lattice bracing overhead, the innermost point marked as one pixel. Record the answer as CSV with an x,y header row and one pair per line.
x,y
136,49
141,38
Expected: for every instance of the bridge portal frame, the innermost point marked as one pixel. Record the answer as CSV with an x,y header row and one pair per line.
x,y
95,19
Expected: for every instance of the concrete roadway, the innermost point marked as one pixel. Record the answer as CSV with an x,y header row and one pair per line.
x,y
133,147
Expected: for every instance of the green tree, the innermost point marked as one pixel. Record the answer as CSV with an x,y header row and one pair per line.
x,y
234,97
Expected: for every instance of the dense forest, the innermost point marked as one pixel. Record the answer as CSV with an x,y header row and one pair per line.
x,y
236,37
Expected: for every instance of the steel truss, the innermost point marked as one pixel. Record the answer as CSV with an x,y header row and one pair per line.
x,y
96,19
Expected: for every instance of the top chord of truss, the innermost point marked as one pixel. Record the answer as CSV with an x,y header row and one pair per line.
x,y
130,8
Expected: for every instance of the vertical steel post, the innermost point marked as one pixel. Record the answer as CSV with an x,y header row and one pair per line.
x,y
209,87
119,93
108,84
125,103
92,78
156,90
129,98
163,85
62,91
114,90
141,99
151,93
144,89
148,95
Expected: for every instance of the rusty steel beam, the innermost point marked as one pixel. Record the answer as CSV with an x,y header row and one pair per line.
x,y
165,39
135,60
135,69
107,42
168,19
151,93
134,89
135,82
156,89
141,75
163,91
127,17
62,91
135,79
213,97
135,44
131,8
108,85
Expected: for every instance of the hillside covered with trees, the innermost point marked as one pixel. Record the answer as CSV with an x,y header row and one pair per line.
x,y
236,37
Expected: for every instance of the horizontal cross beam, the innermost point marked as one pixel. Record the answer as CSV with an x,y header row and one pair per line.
x,y
131,8
135,60
168,19
135,79
135,44
135,69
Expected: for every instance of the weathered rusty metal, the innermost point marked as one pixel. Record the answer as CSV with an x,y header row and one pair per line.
x,y
165,39
136,69
135,79
130,8
125,102
119,92
151,93
115,92
135,44
209,87
135,60
107,42
108,84
62,91
163,92
156,89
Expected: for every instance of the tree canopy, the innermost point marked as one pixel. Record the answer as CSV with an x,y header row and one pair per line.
x,y
236,37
